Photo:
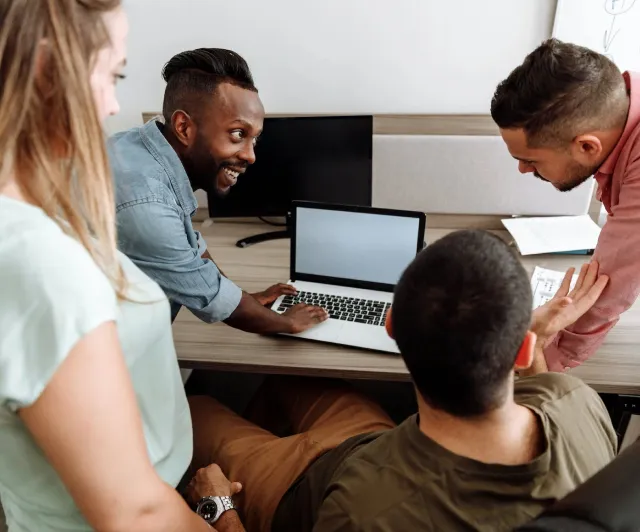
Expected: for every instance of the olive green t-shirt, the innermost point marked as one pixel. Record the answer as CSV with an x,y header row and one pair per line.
x,y
401,480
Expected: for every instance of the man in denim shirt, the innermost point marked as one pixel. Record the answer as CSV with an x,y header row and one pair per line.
x,y
213,116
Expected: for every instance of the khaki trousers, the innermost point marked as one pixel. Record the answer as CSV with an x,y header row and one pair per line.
x,y
320,414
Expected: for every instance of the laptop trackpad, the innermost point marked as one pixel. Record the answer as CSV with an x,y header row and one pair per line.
x,y
368,337
327,331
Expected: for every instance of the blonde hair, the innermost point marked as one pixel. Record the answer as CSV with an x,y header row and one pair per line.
x,y
51,138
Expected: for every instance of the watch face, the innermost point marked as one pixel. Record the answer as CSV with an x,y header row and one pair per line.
x,y
208,510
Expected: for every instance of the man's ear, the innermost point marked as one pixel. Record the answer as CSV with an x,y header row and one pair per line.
x,y
587,148
184,128
388,326
526,352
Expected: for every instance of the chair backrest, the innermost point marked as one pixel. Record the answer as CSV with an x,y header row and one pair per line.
x,y
608,502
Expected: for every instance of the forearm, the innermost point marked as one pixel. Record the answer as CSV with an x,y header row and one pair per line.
x,y
165,512
229,522
570,348
251,316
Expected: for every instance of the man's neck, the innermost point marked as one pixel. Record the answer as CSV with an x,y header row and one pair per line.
x,y
509,435
611,137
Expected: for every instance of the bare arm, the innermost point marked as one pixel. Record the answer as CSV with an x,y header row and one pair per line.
x,y
88,425
252,316
211,482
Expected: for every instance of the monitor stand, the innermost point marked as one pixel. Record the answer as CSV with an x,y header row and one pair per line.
x,y
263,237
285,232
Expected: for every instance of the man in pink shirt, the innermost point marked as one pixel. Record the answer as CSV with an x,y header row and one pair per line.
x,y
565,114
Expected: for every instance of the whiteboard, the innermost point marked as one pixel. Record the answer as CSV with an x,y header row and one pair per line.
x,y
610,27
341,56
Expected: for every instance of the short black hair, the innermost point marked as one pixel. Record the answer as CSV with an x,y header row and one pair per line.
x,y
460,314
194,74
560,91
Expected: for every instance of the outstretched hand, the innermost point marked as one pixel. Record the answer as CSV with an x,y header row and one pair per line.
x,y
567,305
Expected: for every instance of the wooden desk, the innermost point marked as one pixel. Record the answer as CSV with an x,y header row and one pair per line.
x,y
615,368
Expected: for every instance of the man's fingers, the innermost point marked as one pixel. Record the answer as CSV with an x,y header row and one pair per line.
x,y
286,288
319,313
589,299
236,488
589,279
581,276
557,307
565,286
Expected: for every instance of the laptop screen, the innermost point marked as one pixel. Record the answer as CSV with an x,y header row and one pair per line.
x,y
368,247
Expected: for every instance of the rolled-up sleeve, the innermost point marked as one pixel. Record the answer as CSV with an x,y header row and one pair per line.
x,y
152,234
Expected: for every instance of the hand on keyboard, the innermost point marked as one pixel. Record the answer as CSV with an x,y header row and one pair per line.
x,y
305,316
342,308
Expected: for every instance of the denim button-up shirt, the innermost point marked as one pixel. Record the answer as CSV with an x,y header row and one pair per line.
x,y
155,204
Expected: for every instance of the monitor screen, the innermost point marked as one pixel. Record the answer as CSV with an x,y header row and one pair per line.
x,y
323,159
360,246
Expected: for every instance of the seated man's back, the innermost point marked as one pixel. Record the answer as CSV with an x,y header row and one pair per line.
x,y
483,453
402,480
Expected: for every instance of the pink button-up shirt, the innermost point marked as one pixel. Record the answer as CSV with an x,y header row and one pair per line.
x,y
618,250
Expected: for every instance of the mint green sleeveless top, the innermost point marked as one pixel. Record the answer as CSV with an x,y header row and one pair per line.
x,y
51,295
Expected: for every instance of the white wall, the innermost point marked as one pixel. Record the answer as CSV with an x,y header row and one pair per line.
x,y
341,56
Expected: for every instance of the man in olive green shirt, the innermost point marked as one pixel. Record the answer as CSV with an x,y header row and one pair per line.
x,y
482,454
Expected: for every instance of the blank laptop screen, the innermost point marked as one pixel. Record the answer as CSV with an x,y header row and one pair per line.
x,y
353,245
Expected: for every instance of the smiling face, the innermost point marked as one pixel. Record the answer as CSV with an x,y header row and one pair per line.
x,y
224,144
564,167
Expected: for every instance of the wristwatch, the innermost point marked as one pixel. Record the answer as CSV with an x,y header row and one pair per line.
x,y
212,508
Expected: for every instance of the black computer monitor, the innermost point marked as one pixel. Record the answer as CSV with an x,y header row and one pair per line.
x,y
322,159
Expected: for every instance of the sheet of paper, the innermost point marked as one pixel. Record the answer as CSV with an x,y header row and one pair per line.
x,y
545,284
553,234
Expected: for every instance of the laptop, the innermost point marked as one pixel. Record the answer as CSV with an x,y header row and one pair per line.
x,y
348,260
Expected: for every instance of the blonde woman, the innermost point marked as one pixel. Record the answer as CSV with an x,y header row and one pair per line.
x,y
94,424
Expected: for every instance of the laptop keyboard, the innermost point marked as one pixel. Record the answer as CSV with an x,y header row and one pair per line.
x,y
342,308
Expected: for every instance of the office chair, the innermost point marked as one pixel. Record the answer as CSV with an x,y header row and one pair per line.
x,y
608,502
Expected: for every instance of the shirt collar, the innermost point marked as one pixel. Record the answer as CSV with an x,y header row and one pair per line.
x,y
632,80
421,450
164,153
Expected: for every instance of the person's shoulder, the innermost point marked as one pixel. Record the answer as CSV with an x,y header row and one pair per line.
x,y
40,262
372,474
562,396
128,150
53,294
549,386
138,175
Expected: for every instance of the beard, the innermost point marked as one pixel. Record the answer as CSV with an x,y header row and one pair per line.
x,y
578,174
204,169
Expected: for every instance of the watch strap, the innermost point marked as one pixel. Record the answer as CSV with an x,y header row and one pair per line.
x,y
227,504
223,504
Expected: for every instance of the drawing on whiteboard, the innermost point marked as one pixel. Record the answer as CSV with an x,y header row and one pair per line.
x,y
614,8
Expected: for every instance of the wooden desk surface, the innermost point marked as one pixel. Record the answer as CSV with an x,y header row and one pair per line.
x,y
615,368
